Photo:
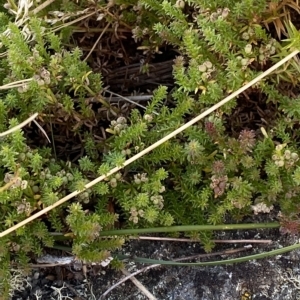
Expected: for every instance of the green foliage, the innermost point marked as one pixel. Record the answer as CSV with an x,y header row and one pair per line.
x,y
31,176
208,174
221,47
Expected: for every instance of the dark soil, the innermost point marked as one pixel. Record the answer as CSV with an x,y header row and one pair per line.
x,y
271,278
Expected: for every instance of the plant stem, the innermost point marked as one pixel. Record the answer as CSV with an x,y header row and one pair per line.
x,y
190,228
214,263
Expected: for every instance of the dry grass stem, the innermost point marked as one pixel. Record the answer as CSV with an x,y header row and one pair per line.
x,y
197,256
42,6
21,125
130,101
96,43
140,286
132,98
60,27
15,84
42,130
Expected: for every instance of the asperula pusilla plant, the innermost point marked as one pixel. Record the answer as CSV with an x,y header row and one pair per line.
x,y
118,125
286,158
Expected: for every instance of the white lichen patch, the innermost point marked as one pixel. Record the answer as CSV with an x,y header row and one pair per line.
x,y
294,279
18,281
261,208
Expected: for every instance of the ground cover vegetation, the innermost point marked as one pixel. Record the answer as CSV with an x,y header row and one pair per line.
x,y
69,59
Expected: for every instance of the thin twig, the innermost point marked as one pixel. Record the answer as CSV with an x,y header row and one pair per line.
x,y
140,286
225,252
132,98
126,278
42,6
118,99
152,147
15,84
42,130
73,291
242,241
96,43
33,266
72,22
21,125
129,100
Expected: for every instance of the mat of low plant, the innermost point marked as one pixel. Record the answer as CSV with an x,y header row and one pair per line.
x,y
241,160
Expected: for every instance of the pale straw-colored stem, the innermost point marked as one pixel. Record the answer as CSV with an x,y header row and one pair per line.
x,y
130,101
96,43
60,27
42,6
197,256
21,125
153,146
139,285
15,84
